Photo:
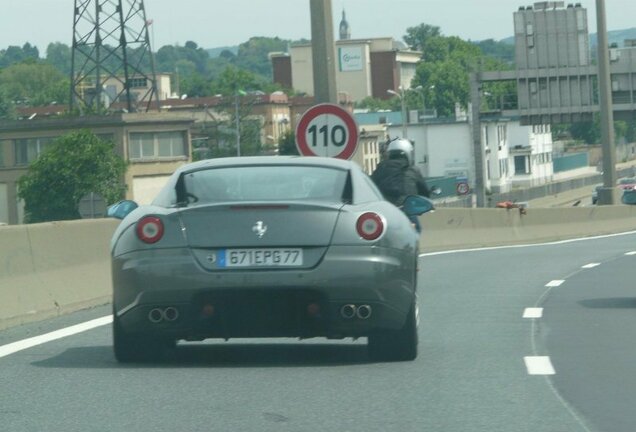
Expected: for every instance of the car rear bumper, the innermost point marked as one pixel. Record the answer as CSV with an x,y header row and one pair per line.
x,y
265,303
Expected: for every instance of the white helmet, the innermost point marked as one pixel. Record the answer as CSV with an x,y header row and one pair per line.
x,y
401,147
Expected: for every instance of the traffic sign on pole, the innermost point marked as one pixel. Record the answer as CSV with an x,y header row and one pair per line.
x,y
327,130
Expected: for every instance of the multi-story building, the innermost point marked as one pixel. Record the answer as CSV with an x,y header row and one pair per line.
x,y
139,87
154,144
365,67
555,75
514,155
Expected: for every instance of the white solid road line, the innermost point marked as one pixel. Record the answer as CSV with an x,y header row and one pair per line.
x,y
591,265
539,365
528,245
533,313
631,253
555,283
14,347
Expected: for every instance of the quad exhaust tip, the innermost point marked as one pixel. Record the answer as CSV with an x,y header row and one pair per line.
x,y
349,311
169,314
364,311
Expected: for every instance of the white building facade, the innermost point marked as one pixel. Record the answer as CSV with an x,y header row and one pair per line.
x,y
514,155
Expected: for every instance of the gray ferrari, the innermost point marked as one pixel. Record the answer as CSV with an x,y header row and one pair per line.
x,y
257,247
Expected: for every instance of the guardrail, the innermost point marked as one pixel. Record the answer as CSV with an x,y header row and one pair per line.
x,y
55,268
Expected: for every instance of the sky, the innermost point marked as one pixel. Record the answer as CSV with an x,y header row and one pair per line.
x,y
217,23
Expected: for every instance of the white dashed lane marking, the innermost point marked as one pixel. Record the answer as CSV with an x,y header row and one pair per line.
x,y
539,365
591,265
555,283
631,253
533,313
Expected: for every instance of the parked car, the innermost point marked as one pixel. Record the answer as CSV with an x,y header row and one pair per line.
x,y
266,247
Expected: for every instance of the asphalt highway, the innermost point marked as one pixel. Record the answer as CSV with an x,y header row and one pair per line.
x,y
536,339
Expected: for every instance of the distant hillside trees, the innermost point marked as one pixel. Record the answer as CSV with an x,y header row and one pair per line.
x,y
16,54
34,84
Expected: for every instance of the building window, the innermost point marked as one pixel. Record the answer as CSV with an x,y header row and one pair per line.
x,y
522,165
138,82
29,149
503,167
153,145
502,134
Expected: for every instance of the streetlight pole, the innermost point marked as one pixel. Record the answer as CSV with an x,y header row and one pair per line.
x,y
238,124
426,158
607,195
403,103
239,93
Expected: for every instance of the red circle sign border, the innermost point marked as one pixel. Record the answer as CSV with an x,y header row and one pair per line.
x,y
462,188
315,111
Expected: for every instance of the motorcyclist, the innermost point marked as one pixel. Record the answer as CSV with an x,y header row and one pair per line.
x,y
397,177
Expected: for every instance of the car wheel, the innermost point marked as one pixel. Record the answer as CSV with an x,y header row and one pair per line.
x,y
137,348
396,345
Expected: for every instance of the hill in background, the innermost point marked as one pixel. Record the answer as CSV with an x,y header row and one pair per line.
x,y
215,52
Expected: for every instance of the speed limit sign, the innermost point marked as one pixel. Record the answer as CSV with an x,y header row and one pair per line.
x,y
327,130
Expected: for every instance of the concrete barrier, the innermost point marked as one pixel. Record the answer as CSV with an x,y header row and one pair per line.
x,y
449,228
53,268
56,268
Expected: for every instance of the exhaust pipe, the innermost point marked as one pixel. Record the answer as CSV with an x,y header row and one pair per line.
x,y
156,315
364,312
171,314
348,311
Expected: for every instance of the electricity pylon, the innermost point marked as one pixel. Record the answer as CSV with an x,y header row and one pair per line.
x,y
111,57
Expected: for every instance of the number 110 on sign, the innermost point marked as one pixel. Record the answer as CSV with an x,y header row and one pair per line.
x,y
327,135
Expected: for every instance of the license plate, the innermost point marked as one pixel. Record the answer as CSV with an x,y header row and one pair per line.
x,y
271,257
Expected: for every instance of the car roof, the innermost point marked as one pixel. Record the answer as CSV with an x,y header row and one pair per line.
x,y
267,160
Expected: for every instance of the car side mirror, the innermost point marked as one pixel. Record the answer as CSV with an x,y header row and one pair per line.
x,y
121,209
416,205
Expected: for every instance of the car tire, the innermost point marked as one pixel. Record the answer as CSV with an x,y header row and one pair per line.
x,y
396,345
136,348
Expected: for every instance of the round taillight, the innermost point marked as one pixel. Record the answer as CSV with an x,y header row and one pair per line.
x,y
370,226
150,229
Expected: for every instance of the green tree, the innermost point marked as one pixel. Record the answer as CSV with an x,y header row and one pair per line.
x,y
620,130
375,104
589,132
253,55
417,37
502,51
287,144
34,84
7,107
74,165
15,54
451,85
446,65
233,79
59,55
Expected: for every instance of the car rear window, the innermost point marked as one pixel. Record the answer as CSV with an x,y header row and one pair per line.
x,y
264,183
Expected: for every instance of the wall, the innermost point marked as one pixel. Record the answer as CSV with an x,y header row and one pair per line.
x,y
570,162
441,149
354,76
55,268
